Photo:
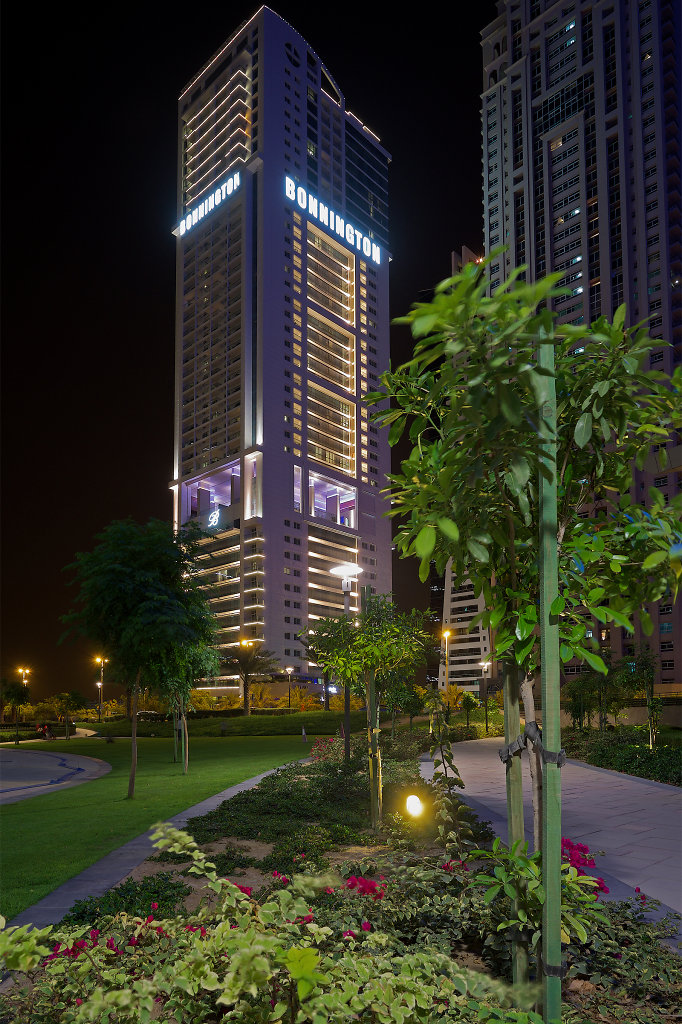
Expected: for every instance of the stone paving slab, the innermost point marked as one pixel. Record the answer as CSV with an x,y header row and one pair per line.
x,y
601,808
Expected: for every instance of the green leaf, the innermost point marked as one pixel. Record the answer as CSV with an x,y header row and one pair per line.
x,y
479,551
558,605
583,430
647,624
425,541
450,529
491,893
651,561
593,660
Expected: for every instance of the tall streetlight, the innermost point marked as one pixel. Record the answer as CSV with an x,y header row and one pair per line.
x,y
485,665
101,662
446,636
289,670
348,572
25,672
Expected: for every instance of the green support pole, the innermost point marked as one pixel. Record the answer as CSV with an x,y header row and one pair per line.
x,y
372,733
551,724
515,825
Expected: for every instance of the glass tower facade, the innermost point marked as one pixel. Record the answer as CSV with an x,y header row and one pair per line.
x,y
281,329
581,174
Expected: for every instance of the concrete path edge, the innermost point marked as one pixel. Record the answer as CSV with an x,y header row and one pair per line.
x,y
111,869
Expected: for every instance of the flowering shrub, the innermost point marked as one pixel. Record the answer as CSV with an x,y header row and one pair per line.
x,y
322,748
240,961
578,856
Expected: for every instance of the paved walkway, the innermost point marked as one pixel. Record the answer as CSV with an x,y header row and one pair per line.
x,y
27,773
636,822
113,868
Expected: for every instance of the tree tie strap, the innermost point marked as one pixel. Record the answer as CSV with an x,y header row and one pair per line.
x,y
553,971
532,733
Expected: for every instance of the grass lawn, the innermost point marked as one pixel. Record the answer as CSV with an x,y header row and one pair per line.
x,y
50,838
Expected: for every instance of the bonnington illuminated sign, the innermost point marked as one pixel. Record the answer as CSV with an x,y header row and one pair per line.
x,y
224,191
324,215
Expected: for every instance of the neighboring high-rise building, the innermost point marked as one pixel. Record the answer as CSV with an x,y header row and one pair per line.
x,y
581,173
281,328
465,654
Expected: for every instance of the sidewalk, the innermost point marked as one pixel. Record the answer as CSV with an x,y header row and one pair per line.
x,y
636,822
27,773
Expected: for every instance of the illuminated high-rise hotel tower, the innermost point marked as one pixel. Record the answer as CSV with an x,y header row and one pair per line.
x,y
281,327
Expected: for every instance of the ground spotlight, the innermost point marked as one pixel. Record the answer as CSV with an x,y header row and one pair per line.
x,y
414,806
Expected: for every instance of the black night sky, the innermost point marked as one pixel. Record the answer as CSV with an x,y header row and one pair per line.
x,y
89,179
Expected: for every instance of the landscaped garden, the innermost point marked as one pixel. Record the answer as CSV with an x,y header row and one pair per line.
x,y
324,920
68,830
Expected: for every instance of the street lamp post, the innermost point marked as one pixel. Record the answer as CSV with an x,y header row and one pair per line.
x,y
348,572
446,637
25,672
485,665
100,685
289,670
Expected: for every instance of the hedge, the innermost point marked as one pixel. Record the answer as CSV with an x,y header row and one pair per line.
x,y
315,723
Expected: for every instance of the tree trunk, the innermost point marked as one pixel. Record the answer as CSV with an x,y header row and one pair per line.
x,y
175,734
372,746
129,703
185,739
534,760
346,723
247,695
515,824
326,691
133,737
393,723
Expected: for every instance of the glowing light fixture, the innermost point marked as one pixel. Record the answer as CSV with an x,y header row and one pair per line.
x,y
414,805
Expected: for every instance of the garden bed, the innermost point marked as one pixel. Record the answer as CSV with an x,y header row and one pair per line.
x,y
321,920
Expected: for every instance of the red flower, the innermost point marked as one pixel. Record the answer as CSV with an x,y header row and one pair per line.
x,y
349,935
366,926
154,906
246,889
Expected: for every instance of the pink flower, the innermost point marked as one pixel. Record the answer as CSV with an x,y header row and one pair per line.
x,y
79,1002
637,889
329,890
349,935
365,886
366,926
246,889
154,906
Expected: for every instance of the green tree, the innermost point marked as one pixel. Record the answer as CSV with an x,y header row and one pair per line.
x,y
382,644
14,695
65,704
139,600
469,703
251,663
480,415
642,665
